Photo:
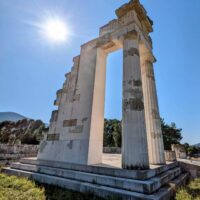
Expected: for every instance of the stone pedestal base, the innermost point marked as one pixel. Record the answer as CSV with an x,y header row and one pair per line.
x,y
103,181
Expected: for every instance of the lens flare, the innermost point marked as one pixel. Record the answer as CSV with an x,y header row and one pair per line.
x,y
55,30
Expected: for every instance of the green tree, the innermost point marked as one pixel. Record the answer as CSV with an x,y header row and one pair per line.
x,y
25,131
186,146
112,133
191,150
171,134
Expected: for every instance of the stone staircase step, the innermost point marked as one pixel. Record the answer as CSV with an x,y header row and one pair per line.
x,y
147,186
116,172
99,190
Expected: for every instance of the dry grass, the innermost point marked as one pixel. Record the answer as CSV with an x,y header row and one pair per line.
x,y
13,188
190,192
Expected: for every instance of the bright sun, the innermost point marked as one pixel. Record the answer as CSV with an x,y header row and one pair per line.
x,y
56,30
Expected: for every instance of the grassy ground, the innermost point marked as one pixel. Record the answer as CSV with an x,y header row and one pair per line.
x,y
15,188
190,192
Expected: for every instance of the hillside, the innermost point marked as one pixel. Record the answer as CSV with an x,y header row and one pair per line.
x,y
197,145
11,116
24,131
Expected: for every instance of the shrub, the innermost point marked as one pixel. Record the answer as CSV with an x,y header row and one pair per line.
x,y
12,187
15,188
190,192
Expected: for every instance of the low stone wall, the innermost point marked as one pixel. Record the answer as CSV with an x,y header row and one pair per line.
x,y
9,153
18,149
179,150
193,167
114,150
195,159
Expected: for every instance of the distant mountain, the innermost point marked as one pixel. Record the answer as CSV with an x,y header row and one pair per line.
x,y
10,116
197,145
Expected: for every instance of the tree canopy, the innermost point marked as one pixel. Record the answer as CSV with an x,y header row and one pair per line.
x,y
25,131
171,134
113,133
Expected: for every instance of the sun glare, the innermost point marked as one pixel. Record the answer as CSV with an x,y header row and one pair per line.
x,y
56,30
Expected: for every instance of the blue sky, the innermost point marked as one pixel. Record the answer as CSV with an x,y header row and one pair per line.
x,y
32,69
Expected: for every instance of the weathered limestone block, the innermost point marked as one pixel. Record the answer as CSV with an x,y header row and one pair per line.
x,y
193,168
71,122
52,137
170,156
72,151
141,13
54,116
179,150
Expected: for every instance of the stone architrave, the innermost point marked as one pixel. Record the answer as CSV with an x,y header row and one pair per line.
x,y
153,120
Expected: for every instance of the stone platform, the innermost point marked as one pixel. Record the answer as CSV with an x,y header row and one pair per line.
x,y
107,179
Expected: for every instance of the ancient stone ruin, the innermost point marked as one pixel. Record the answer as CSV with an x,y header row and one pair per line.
x,y
179,150
76,129
71,154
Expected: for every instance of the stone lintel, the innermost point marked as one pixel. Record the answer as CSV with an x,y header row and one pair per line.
x,y
103,40
110,22
131,35
107,43
140,10
91,42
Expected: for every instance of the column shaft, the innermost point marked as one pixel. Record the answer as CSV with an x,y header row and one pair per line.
x,y
153,123
134,148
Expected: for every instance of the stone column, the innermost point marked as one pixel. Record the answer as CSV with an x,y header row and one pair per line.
x,y
134,137
97,112
153,123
